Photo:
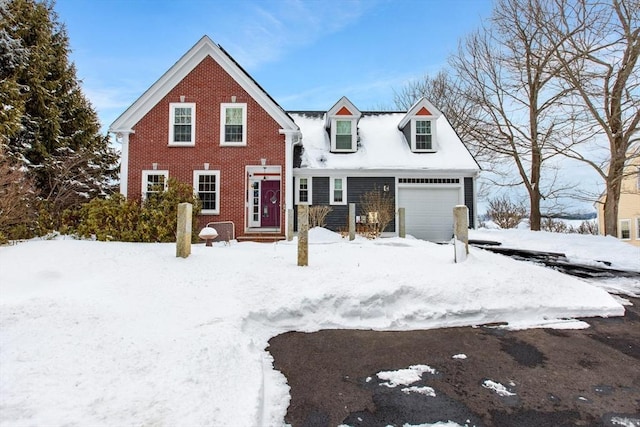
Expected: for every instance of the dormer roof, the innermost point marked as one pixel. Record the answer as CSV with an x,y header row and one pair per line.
x,y
423,108
343,107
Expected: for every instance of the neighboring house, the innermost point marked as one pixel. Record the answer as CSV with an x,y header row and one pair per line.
x,y
628,206
207,122
415,156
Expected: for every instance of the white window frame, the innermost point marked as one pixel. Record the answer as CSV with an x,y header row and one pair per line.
x,y
309,190
434,139
332,188
145,176
172,115
196,181
354,134
628,222
223,116
638,228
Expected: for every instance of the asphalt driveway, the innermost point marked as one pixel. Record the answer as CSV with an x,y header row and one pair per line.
x,y
535,377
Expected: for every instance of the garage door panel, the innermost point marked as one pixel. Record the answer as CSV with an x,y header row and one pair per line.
x,y
429,211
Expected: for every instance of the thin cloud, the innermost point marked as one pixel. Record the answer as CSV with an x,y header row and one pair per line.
x,y
270,32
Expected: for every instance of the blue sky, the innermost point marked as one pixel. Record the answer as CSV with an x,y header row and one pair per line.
x,y
305,54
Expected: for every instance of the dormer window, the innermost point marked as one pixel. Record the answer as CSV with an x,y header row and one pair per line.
x,y
422,135
343,135
419,127
342,124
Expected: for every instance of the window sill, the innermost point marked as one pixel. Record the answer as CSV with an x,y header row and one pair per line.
x,y
233,144
181,144
425,151
209,212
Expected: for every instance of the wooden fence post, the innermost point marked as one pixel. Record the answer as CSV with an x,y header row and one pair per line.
x,y
461,232
303,235
352,221
402,230
183,232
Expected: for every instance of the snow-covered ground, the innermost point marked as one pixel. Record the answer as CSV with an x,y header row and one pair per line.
x,y
95,333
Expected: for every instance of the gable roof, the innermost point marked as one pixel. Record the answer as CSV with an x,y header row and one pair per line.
x,y
203,48
422,107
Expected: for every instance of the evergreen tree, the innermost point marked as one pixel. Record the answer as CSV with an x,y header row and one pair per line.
x,y
58,137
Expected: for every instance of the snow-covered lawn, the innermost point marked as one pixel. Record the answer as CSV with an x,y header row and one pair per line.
x,y
96,333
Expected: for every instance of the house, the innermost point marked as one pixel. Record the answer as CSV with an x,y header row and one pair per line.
x,y
415,156
209,123
628,205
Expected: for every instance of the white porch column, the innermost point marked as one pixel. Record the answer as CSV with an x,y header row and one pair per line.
x,y
123,138
290,136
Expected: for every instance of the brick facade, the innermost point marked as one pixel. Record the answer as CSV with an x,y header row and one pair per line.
x,y
208,85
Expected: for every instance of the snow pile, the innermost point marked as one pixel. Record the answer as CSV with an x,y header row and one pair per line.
x,y
97,333
497,387
404,376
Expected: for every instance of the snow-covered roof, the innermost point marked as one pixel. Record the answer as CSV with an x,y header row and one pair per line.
x,y
381,145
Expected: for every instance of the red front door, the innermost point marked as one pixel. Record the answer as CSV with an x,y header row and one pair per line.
x,y
270,203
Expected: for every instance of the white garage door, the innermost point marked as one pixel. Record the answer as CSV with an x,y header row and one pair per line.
x,y
429,211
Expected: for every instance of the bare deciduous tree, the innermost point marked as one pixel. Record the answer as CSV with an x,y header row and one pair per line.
x,y
597,48
510,72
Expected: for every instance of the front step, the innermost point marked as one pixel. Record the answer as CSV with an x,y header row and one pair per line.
x,y
262,238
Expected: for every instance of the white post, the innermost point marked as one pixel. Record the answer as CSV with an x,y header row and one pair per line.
x,y
123,137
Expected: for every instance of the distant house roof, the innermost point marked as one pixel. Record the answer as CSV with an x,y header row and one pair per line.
x,y
203,48
381,145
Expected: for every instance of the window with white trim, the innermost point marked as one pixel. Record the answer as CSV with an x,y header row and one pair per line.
x,y
638,228
343,135
206,184
338,191
303,191
233,124
154,182
422,135
625,229
182,124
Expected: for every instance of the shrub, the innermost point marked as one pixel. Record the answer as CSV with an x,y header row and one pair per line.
x,y
378,207
318,215
116,218
587,227
554,225
505,213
